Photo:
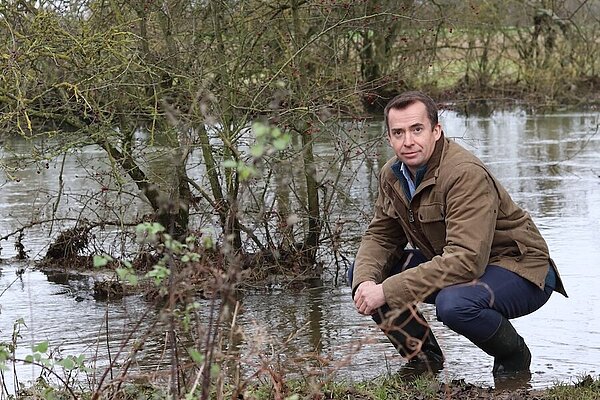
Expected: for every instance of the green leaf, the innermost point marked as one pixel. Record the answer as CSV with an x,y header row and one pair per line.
x,y
159,273
133,279
260,129
281,143
148,228
231,163
127,275
257,151
156,228
196,356
174,245
29,358
122,273
101,261
207,242
67,363
246,172
41,347
275,132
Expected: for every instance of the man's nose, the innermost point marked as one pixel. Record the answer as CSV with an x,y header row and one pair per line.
x,y
408,139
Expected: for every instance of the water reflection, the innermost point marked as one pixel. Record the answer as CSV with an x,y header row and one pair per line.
x,y
548,163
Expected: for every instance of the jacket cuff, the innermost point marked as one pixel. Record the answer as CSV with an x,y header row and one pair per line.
x,y
393,295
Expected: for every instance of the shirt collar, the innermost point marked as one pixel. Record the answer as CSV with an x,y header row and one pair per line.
x,y
407,175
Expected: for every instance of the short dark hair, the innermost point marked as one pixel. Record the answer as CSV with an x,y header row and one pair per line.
x,y
405,99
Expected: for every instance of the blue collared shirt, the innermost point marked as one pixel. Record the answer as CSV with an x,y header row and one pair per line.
x,y
411,183
403,174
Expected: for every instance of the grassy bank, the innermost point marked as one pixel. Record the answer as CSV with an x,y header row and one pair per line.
x,y
423,388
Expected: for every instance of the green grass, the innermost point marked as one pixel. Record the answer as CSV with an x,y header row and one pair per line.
x,y
585,389
423,388
387,388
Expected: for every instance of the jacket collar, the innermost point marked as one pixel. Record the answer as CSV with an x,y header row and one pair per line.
x,y
434,161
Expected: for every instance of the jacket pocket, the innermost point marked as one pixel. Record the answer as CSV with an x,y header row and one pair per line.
x,y
522,250
511,248
433,224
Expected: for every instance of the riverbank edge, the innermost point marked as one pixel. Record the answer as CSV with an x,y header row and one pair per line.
x,y
392,387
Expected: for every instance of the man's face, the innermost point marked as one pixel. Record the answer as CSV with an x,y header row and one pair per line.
x,y
411,135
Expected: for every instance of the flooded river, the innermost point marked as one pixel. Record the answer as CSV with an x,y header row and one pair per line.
x,y
551,166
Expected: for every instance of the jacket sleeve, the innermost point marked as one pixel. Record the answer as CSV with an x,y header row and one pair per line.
x,y
383,241
471,210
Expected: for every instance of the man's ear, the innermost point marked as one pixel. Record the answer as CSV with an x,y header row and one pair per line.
x,y
437,131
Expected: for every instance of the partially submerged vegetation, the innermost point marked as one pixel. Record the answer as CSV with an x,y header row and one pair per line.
x,y
201,356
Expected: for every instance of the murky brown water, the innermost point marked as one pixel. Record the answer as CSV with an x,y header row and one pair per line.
x,y
551,165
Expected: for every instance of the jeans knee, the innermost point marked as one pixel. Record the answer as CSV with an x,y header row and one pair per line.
x,y
453,309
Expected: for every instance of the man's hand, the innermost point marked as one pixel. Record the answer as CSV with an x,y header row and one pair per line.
x,y
369,297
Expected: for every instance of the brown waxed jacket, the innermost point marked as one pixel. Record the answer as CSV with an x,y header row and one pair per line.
x,y
460,217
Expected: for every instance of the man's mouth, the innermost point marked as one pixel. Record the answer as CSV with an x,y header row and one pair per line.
x,y
411,154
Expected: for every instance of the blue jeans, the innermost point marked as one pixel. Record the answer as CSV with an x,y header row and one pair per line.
x,y
476,309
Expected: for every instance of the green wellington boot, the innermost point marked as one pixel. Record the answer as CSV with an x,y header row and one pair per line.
x,y
411,336
511,354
